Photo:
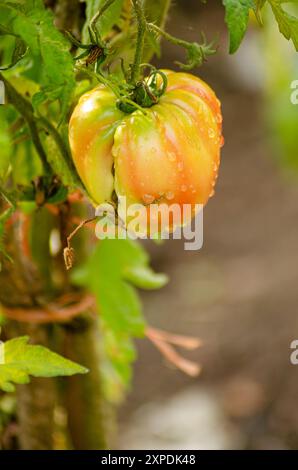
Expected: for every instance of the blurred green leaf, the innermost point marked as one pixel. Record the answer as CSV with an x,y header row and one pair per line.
x,y
281,72
120,353
236,18
287,23
18,361
259,4
143,277
109,272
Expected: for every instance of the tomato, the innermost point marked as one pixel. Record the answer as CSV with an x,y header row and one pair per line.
x,y
170,153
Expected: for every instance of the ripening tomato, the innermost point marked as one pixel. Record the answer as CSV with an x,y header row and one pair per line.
x,y
170,153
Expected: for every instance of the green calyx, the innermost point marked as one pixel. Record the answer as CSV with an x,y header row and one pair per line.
x,y
145,93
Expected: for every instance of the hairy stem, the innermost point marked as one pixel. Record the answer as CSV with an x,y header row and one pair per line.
x,y
87,419
36,401
167,36
135,71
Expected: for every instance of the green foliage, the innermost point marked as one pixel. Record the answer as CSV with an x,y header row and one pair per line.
x,y
33,25
280,111
18,361
236,18
110,272
288,24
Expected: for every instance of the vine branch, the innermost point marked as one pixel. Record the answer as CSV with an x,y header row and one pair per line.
x,y
142,26
196,53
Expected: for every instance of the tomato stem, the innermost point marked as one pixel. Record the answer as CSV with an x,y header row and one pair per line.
x,y
142,27
196,53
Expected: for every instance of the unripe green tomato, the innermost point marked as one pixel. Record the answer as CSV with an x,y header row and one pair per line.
x,y
168,154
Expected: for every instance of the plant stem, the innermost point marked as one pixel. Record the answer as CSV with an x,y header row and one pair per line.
x,y
62,147
167,36
36,401
86,407
142,26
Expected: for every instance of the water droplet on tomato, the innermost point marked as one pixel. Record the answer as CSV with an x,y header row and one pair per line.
x,y
222,141
212,193
183,188
180,166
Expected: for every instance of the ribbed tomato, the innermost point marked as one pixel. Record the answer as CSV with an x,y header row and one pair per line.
x,y
170,153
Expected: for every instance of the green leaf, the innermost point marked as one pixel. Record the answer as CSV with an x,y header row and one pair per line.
x,y
112,267
19,360
116,368
259,4
144,278
118,302
34,25
109,273
104,24
287,23
236,18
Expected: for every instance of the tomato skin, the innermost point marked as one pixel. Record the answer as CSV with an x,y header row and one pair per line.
x,y
169,154
91,136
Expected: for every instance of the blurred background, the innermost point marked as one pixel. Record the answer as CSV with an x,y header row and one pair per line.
x,y
238,294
